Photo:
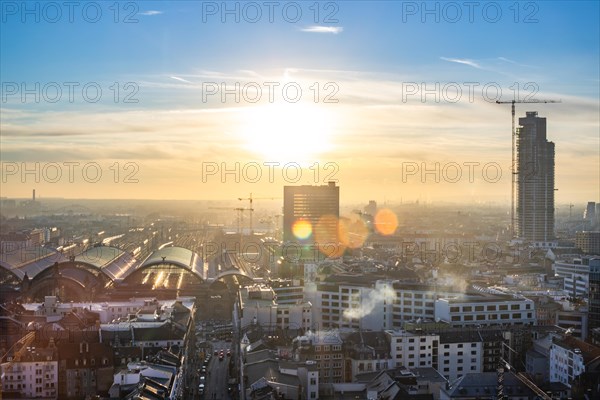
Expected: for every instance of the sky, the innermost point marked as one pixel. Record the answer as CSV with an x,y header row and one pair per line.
x,y
213,100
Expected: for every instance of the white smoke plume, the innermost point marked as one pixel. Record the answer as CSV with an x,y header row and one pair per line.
x,y
375,299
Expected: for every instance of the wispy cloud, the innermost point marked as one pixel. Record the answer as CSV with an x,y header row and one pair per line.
x,y
514,62
151,12
462,61
323,29
180,79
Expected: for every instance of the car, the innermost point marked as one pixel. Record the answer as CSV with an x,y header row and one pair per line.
x,y
220,357
202,378
216,352
228,353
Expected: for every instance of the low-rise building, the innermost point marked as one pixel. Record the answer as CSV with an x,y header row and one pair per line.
x,y
485,310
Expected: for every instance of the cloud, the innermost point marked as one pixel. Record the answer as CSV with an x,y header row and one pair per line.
x,y
151,12
514,62
462,61
180,79
184,132
323,29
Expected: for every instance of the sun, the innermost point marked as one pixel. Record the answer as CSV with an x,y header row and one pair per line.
x,y
289,132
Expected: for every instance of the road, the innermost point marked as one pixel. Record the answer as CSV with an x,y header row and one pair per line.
x,y
218,373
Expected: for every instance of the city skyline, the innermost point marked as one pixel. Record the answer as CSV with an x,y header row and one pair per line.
x,y
375,103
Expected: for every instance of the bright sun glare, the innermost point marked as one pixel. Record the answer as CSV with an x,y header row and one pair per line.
x,y
288,132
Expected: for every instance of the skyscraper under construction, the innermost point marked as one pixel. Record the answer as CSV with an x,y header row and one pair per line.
x,y
535,178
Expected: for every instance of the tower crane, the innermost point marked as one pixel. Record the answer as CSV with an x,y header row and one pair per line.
x,y
251,199
513,166
240,211
523,378
19,352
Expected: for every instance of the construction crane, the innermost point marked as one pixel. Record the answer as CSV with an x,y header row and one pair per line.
x,y
240,211
24,342
513,166
519,375
251,199
571,205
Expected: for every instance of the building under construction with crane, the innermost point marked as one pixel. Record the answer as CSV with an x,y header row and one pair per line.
x,y
535,181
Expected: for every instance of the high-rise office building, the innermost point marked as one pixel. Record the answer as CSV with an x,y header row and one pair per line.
x,y
588,242
535,177
311,213
589,215
594,295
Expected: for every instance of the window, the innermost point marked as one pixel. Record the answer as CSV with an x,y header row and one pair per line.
x,y
503,307
467,309
478,308
515,307
491,308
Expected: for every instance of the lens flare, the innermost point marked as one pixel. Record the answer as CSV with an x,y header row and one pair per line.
x,y
386,222
353,232
326,236
302,229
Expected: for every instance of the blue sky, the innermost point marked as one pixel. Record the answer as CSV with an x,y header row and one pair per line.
x,y
371,52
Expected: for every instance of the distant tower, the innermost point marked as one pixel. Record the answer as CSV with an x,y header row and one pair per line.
x,y
371,208
34,195
535,177
589,215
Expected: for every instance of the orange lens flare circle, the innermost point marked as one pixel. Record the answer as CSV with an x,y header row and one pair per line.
x,y
385,222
